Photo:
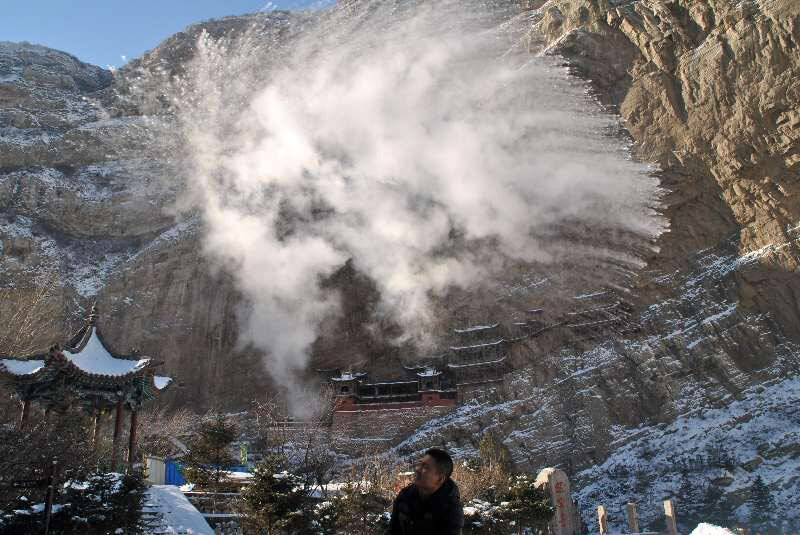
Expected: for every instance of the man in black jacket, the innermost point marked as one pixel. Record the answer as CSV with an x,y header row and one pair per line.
x,y
431,505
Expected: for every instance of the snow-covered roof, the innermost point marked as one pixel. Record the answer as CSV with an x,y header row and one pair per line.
x,y
161,382
476,328
498,361
429,372
348,376
21,367
95,359
478,346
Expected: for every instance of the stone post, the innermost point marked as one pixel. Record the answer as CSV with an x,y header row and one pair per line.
x,y
669,511
563,522
132,441
117,431
602,519
633,518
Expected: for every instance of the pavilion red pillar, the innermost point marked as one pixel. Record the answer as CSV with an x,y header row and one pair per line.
x,y
117,430
98,423
132,440
24,413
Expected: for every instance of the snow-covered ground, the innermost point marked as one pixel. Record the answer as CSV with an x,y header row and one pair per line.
x,y
175,514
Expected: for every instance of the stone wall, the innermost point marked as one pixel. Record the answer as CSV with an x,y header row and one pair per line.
x,y
362,431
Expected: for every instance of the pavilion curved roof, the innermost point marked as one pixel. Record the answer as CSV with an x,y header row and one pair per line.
x,y
91,358
87,359
21,368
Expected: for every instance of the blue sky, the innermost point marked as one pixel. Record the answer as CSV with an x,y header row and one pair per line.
x,y
102,31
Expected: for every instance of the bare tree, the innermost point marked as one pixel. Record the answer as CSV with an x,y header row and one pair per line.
x,y
161,431
304,443
29,319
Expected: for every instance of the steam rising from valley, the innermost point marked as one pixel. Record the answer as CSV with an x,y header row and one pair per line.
x,y
422,141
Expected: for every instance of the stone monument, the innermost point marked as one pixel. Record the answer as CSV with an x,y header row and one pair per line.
x,y
564,520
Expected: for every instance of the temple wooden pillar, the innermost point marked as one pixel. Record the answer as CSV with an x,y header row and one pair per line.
x,y
117,431
132,440
24,413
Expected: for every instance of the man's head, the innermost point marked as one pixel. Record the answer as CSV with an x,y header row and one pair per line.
x,y
432,470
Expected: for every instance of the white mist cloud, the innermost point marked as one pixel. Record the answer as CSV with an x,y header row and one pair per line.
x,y
402,136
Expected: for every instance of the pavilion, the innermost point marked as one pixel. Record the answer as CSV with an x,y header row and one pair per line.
x,y
87,373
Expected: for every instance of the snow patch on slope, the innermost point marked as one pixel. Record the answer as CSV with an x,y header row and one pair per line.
x,y
760,428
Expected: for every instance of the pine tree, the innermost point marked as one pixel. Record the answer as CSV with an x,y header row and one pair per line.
x,y
328,516
714,506
761,503
494,453
689,501
276,500
526,505
210,453
363,508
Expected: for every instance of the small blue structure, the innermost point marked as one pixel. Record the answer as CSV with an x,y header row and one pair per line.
x,y
173,474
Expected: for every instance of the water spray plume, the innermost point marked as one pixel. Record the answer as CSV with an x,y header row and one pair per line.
x,y
414,139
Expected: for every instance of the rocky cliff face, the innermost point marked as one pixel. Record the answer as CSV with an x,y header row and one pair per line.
x,y
707,90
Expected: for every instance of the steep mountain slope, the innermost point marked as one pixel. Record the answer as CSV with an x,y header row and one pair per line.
x,y
707,90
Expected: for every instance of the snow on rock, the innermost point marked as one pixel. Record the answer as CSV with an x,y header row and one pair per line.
x,y
94,358
756,429
476,328
751,415
710,529
177,515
